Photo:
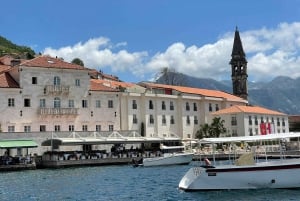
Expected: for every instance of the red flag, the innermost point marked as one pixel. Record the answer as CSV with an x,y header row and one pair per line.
x,y
268,128
263,130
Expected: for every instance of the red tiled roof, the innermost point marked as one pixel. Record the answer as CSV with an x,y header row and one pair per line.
x,y
6,81
6,59
97,85
95,74
247,109
190,90
4,68
50,62
116,84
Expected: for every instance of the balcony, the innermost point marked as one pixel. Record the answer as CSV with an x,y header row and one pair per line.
x,y
58,111
56,89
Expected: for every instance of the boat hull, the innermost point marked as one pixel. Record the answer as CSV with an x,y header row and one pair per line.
x,y
173,159
268,175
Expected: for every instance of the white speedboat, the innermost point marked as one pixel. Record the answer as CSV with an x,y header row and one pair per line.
x,y
246,173
170,155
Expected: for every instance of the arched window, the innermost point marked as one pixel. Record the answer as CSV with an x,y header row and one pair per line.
x,y
56,102
56,80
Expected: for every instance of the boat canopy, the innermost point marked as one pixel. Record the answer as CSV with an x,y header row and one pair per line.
x,y
10,144
94,141
276,136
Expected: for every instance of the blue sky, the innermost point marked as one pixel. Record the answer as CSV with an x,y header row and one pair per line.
x,y
135,39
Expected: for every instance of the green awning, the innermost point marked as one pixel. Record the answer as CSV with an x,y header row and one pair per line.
x,y
9,144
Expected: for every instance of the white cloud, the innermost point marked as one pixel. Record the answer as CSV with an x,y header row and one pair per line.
x,y
270,53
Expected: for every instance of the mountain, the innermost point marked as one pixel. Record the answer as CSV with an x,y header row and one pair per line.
x,y
281,94
7,47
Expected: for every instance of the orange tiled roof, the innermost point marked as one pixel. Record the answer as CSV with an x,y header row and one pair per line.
x,y
190,90
97,85
50,62
247,109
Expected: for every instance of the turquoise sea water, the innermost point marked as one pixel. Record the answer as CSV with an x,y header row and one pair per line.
x,y
119,183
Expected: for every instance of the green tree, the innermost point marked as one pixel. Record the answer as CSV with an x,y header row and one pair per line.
x,y
203,132
77,61
215,129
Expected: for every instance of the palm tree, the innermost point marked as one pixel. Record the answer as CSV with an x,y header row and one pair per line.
x,y
215,129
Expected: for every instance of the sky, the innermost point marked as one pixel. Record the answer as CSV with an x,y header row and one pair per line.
x,y
136,39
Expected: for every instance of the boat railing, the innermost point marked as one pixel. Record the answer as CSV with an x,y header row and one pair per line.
x,y
16,160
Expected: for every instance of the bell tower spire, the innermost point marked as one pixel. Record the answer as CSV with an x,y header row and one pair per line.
x,y
238,64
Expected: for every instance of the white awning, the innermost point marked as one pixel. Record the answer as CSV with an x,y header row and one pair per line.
x,y
275,136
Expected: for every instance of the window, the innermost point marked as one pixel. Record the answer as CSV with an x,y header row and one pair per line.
x,y
110,104
26,102
250,120
84,103
71,104
163,120
134,120
42,103
283,122
195,106
56,81
250,131
151,119
163,105
171,105
11,102
111,127
34,80
217,107
278,122
210,107
255,120
134,105
57,128
150,105
172,121
195,120
98,103
98,128
261,120
187,106
77,82
84,127
42,128
27,129
233,121
11,129
71,128
56,102
188,121
234,133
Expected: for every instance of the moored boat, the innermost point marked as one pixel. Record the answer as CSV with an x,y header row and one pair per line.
x,y
246,172
170,155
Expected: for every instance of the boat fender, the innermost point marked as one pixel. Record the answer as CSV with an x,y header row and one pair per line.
x,y
207,162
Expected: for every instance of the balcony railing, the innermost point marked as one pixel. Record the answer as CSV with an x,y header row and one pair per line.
x,y
57,89
58,111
